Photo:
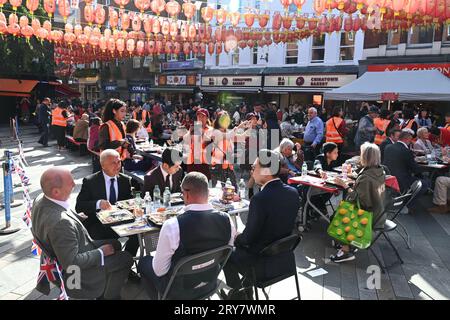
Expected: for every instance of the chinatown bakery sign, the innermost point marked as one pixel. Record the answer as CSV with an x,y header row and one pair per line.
x,y
309,81
241,81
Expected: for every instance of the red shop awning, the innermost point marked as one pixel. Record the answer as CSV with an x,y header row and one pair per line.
x,y
16,87
63,90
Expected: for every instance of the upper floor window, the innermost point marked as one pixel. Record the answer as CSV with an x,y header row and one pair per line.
x,y
318,49
291,53
347,50
136,62
446,35
235,57
255,55
419,36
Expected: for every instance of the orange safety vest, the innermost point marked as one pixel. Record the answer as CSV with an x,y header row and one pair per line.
x,y
58,118
143,119
115,135
193,153
220,152
382,125
332,134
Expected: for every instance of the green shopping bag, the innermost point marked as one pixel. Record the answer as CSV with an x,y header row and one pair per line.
x,y
352,225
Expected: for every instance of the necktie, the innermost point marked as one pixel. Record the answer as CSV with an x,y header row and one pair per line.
x,y
167,183
112,192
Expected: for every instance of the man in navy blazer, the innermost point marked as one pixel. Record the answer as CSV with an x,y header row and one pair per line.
x,y
271,217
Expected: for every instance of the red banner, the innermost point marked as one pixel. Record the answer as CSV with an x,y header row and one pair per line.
x,y
444,68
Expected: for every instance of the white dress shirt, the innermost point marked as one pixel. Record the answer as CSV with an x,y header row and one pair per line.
x,y
66,205
169,240
265,184
108,186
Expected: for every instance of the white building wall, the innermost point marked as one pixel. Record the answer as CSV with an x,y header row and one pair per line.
x,y
277,53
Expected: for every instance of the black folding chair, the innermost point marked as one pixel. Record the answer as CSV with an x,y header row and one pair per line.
x,y
391,223
211,261
286,245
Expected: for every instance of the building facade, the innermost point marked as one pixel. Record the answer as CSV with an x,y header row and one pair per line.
x,y
296,72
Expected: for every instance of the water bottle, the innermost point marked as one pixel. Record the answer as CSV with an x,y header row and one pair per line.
x,y
344,171
228,182
151,143
138,201
242,189
157,197
304,169
148,203
166,197
218,189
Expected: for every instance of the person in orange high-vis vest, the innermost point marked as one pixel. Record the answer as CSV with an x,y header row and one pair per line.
x,y
382,124
59,123
143,117
112,132
336,129
193,162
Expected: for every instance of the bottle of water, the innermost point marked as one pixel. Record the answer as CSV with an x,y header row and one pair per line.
x,y
218,189
344,170
228,182
166,197
242,188
148,203
304,169
151,143
138,201
157,197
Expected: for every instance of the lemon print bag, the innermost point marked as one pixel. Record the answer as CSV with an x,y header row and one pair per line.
x,y
352,225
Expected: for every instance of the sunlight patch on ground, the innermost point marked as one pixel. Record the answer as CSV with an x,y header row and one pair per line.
x,y
426,288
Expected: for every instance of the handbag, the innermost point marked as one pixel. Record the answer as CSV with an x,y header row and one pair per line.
x,y
352,225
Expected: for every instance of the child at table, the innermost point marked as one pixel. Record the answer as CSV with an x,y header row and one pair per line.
x,y
135,162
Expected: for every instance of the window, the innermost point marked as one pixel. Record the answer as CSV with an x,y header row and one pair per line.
x,y
291,53
217,59
136,62
255,55
347,49
419,36
394,38
235,57
318,49
446,35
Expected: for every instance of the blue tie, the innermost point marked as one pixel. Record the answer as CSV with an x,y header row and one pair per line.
x,y
112,192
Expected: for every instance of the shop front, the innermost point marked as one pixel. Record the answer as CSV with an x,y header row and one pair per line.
x,y
110,90
303,89
232,90
140,91
176,88
89,88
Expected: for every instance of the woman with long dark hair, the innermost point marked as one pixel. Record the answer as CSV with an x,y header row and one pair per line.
x,y
112,133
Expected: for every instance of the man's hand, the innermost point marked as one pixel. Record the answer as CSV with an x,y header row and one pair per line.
x,y
340,182
105,205
108,250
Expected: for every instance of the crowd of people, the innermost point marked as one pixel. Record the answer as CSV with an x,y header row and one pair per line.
x,y
386,142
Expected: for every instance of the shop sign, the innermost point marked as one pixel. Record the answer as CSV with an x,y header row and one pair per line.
x,y
110,86
176,80
244,81
313,81
88,80
444,68
181,65
139,87
392,96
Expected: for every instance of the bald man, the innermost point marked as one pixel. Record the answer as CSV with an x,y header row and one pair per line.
x,y
103,267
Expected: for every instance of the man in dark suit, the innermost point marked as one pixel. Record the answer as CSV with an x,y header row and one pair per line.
x,y
391,139
271,217
44,114
168,174
100,191
400,161
103,266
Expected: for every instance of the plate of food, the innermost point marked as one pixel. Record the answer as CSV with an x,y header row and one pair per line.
x,y
162,214
126,204
176,199
115,217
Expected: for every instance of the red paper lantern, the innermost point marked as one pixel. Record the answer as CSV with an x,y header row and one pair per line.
x,y
276,21
221,16
173,29
211,48
78,30
202,49
121,3
31,5
15,4
87,31
300,22
319,6
151,47
287,22
111,45
207,14
235,17
356,24
165,27
64,9
47,25
230,43
142,5
189,9
323,24
100,15
173,8
136,23
299,4
69,38
125,20
113,18
103,44
89,15
192,32
348,24
312,24
49,7
157,6
397,6
286,4
156,26
130,46
23,21
249,18
218,48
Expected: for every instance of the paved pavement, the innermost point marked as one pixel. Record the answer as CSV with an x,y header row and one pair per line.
x,y
424,275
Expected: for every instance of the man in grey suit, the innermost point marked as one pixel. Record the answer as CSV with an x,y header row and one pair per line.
x,y
103,266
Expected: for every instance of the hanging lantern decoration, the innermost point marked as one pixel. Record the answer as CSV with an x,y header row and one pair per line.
x,y
230,43
192,32
300,22
64,9
103,44
68,28
69,38
221,16
168,47
93,41
121,3
125,20
207,14
47,25
31,5
136,23
360,4
202,48
397,6
140,47
173,8
157,6
176,48
351,7
113,18
312,24
356,25
2,3
249,19
189,9
87,31
165,28
323,24
148,26
78,30
234,18
111,45
427,7
120,45
173,30
158,47
23,21
130,46
319,6
142,5
89,15
286,4
100,15
276,21
218,48
348,24
263,19
211,48
287,22
151,47
299,4
15,4
49,7
82,40
156,26
184,31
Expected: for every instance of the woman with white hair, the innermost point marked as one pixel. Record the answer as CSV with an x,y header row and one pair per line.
x,y
423,143
291,163
369,190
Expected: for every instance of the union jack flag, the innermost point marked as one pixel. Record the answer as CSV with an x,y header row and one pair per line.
x,y
51,272
35,249
27,215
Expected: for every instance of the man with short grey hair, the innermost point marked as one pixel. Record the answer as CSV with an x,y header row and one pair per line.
x,y
200,228
313,135
103,267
